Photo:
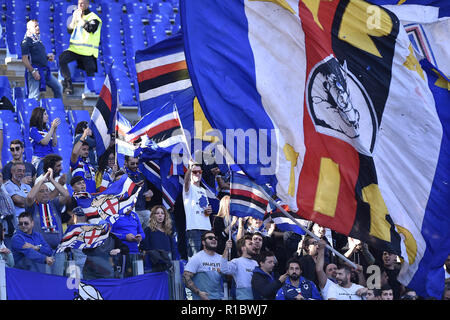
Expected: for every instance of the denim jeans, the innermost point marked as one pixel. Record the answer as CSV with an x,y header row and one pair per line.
x,y
33,87
194,241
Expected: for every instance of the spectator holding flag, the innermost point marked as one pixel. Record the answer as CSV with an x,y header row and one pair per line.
x,y
107,168
196,207
145,195
79,130
241,268
98,264
80,164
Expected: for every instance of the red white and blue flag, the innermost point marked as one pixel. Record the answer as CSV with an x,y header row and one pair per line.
x,y
162,125
103,116
84,236
246,198
161,72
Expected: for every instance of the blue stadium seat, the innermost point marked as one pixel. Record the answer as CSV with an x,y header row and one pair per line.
x,y
52,104
94,84
163,8
18,93
7,116
137,8
5,88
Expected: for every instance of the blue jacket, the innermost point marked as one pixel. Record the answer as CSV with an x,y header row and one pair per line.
x,y
30,259
306,288
264,286
128,223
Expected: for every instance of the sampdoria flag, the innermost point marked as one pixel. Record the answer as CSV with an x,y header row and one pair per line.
x,y
124,146
246,197
427,23
336,112
83,236
161,125
283,222
161,72
103,116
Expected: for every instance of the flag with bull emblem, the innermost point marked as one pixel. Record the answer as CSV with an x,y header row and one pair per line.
x,y
335,111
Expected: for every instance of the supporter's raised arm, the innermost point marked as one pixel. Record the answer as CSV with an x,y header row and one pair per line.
x,y
321,275
77,147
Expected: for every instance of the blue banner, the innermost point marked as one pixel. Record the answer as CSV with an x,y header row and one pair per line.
x,y
27,285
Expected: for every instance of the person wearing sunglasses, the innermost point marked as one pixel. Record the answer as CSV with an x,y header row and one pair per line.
x,y
30,251
196,208
16,147
202,274
5,253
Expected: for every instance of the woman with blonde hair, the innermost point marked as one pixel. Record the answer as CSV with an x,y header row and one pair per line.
x,y
222,224
159,239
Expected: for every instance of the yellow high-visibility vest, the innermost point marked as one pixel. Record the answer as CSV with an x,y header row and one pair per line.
x,y
83,42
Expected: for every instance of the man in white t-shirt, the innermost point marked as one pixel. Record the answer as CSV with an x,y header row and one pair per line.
x,y
196,208
345,289
202,274
326,278
241,268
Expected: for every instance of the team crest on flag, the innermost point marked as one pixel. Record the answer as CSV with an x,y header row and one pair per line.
x,y
82,236
340,106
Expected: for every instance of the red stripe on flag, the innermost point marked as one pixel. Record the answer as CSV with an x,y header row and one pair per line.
x,y
157,71
166,125
318,44
105,95
248,194
75,234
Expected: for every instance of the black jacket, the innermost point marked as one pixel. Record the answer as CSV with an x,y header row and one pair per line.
x,y
264,286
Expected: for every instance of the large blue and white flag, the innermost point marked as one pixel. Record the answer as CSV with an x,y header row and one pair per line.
x,y
425,273
335,113
427,23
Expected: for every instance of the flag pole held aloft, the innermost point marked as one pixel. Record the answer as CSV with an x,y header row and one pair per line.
x,y
341,256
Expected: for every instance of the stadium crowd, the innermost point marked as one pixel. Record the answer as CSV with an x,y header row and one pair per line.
x,y
253,257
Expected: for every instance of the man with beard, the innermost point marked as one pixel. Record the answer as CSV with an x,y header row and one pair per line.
x,y
297,287
241,268
264,284
345,290
202,274
326,277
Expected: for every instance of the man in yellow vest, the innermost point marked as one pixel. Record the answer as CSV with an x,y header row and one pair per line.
x,y
85,29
